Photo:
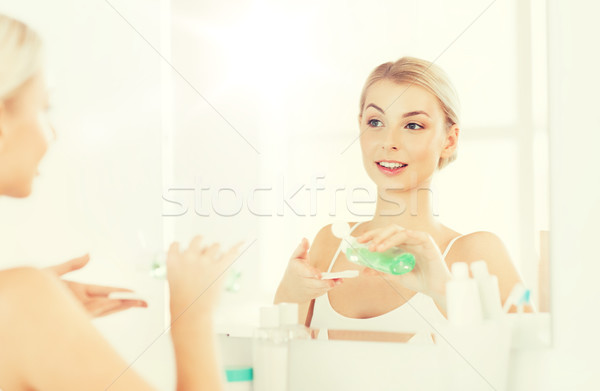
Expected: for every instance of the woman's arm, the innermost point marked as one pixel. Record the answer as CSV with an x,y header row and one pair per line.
x,y
95,298
48,341
431,272
195,280
483,245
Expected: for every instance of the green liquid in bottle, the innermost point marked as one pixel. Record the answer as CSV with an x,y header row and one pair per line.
x,y
392,261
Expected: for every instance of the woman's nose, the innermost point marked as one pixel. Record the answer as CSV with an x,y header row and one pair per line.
x,y
390,142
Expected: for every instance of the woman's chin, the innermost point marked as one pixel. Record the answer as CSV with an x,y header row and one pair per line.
x,y
22,191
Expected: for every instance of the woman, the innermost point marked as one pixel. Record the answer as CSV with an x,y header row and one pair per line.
x,y
47,340
409,130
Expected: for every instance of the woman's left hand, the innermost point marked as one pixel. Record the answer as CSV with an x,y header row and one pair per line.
x,y
430,273
93,297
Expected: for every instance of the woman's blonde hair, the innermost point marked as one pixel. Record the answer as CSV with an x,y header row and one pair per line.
x,y
410,70
20,55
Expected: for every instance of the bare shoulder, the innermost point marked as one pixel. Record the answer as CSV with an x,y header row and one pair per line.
x,y
20,277
479,243
324,247
487,246
25,291
17,285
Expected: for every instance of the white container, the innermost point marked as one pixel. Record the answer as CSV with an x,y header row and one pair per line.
x,y
489,293
270,353
462,297
474,357
288,322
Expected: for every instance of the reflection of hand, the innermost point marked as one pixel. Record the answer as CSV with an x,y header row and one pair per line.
x,y
93,297
430,273
302,282
195,276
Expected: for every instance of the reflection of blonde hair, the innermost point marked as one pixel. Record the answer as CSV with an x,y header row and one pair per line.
x,y
20,55
410,70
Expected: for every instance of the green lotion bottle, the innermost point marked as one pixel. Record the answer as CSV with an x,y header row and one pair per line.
x,y
393,261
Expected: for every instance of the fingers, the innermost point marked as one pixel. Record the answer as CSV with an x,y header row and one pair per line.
x,y
212,250
301,252
368,272
198,250
100,290
69,266
379,234
386,243
98,308
304,269
231,254
368,235
383,239
196,244
134,303
173,253
385,234
173,249
317,285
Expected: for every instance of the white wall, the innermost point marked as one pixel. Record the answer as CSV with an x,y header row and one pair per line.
x,y
572,362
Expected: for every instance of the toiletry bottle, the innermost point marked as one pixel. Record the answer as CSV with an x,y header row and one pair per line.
x,y
393,261
270,352
462,297
238,378
288,322
489,292
518,294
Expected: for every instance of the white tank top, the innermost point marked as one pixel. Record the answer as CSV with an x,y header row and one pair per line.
x,y
418,315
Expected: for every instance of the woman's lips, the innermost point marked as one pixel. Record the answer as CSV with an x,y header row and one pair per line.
x,y
391,171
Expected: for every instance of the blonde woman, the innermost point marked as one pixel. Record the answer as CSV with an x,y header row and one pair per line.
x,y
47,341
409,130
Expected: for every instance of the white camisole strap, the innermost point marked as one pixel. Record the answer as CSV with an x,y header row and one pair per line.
x,y
450,245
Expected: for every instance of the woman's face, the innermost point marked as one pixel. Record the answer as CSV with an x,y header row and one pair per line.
x,y
403,135
23,137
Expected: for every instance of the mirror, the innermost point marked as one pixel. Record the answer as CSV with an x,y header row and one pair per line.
x,y
248,132
269,102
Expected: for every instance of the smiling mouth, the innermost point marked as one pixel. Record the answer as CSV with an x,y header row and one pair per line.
x,y
391,165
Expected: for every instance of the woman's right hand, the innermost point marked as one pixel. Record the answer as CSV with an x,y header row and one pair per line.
x,y
196,276
302,282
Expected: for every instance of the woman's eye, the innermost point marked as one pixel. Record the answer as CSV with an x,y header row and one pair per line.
x,y
373,123
414,126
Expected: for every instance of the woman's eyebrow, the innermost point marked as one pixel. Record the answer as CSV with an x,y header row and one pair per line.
x,y
409,114
412,113
373,105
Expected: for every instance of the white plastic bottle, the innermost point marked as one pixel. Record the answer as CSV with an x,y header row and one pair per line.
x,y
238,378
288,322
489,293
462,297
270,352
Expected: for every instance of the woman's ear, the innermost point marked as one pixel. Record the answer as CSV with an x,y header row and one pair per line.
x,y
451,141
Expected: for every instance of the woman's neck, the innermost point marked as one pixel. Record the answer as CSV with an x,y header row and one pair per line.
x,y
411,209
